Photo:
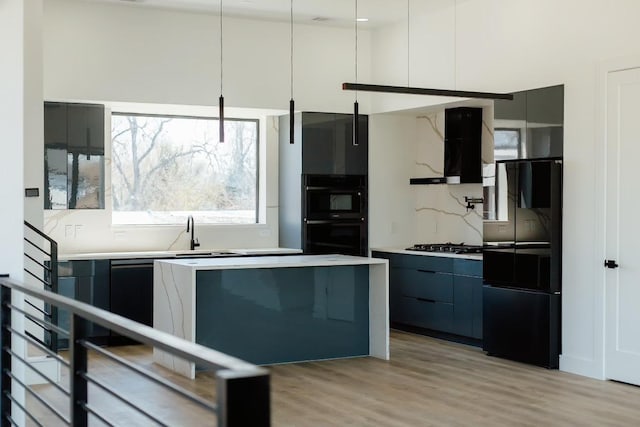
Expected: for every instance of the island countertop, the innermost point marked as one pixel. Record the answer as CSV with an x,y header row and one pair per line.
x,y
271,262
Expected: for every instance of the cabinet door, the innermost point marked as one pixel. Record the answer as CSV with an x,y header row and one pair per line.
x,y
463,304
132,291
85,124
354,157
318,143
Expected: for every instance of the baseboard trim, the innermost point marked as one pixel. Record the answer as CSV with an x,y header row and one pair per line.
x,y
581,366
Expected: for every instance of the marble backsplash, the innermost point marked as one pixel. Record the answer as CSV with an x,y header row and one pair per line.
x,y
441,213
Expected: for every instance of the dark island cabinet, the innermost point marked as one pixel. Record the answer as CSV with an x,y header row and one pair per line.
x,y
437,294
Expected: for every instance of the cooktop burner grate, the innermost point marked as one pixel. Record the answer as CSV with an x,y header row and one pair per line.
x,y
456,248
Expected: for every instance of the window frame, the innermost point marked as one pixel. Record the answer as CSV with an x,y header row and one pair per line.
x,y
257,122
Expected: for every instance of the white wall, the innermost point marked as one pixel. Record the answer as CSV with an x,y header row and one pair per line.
x,y
20,78
119,53
510,45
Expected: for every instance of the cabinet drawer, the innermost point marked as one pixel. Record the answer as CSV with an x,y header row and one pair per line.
x,y
425,284
465,267
439,264
431,315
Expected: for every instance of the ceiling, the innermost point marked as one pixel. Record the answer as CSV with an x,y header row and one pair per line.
x,y
322,12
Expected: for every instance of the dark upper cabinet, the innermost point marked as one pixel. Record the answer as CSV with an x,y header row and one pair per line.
x,y
74,155
85,124
327,144
463,144
55,124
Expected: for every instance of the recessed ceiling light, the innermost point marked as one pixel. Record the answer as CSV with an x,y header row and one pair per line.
x,y
362,19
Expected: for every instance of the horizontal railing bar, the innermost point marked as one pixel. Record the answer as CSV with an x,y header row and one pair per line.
x,y
38,262
37,308
40,233
93,412
19,405
90,378
44,282
36,246
38,324
37,371
40,346
179,347
41,321
29,334
152,376
39,398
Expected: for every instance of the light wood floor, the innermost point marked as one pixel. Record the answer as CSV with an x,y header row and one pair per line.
x,y
427,382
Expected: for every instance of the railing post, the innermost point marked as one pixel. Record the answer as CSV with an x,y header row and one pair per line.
x,y
54,288
5,357
243,398
78,368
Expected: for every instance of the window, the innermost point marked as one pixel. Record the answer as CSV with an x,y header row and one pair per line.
x,y
165,168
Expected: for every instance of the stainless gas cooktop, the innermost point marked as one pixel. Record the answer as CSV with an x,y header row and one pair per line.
x,y
456,248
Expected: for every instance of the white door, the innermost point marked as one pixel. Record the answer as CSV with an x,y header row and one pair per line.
x,y
622,353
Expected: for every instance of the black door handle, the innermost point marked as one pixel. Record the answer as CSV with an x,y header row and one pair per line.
x,y
611,263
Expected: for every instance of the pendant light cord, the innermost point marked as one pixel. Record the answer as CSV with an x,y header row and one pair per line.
x,y
455,44
291,46
356,47
221,48
408,41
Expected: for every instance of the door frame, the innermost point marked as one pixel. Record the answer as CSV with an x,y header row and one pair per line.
x,y
604,69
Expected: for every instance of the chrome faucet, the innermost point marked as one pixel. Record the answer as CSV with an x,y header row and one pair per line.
x,y
191,226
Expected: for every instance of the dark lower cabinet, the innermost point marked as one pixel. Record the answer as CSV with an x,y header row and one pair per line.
x,y
439,296
86,281
131,293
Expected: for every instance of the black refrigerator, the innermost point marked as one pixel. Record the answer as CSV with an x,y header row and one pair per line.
x,y
522,271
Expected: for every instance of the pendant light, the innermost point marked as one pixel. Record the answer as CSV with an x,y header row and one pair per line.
x,y
356,133
291,101
221,99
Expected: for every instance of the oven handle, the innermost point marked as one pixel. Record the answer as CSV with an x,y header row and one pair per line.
x,y
334,221
359,190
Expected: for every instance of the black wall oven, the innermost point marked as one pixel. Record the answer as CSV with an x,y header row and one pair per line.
x,y
335,214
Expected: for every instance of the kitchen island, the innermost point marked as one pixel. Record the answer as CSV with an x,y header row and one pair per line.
x,y
274,309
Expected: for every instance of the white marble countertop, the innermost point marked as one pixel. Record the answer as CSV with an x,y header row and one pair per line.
x,y
169,254
271,262
421,253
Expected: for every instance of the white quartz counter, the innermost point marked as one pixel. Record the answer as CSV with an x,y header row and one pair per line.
x,y
168,254
439,254
271,262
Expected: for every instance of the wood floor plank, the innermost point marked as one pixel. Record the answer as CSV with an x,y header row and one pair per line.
x,y
427,382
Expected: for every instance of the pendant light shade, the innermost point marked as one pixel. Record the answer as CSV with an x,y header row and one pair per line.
x,y
356,130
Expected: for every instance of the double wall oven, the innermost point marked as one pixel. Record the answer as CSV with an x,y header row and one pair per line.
x,y
335,214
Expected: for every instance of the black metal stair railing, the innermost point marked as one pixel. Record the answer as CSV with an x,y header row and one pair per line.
x,y
242,396
42,267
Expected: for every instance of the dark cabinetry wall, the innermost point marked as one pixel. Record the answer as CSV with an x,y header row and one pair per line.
x,y
435,294
323,146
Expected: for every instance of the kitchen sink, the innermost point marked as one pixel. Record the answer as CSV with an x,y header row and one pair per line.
x,y
212,254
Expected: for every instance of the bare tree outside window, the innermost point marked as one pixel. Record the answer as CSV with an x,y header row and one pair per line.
x,y
165,168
